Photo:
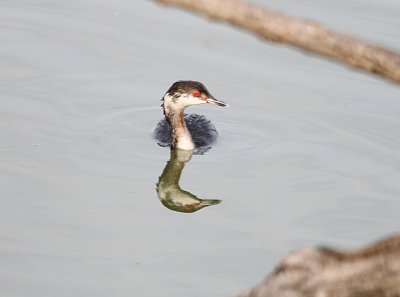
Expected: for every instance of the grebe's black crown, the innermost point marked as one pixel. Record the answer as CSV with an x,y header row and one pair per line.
x,y
187,87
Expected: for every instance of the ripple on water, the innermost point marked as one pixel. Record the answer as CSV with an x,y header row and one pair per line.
x,y
128,134
242,133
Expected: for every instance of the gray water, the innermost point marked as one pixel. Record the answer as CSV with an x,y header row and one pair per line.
x,y
309,151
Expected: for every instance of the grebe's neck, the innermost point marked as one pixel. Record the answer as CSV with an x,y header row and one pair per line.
x,y
181,137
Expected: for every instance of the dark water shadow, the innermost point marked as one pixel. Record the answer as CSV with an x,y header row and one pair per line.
x,y
170,193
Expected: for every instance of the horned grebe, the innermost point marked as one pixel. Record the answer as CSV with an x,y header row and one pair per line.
x,y
189,131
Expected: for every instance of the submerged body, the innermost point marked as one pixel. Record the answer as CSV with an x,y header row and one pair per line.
x,y
202,131
181,131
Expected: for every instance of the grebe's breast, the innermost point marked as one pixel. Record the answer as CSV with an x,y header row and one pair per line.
x,y
201,129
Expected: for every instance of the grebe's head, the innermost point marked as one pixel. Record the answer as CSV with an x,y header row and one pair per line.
x,y
185,93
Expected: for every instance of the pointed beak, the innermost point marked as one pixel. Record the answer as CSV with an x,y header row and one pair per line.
x,y
212,100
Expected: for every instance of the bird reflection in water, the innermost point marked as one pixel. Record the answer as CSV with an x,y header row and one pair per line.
x,y
170,193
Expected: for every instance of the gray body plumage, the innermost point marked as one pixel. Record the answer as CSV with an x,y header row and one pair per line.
x,y
203,132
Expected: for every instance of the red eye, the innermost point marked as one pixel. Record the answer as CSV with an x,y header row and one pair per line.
x,y
196,93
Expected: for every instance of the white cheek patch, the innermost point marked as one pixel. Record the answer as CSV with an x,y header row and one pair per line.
x,y
182,101
191,100
172,103
168,98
